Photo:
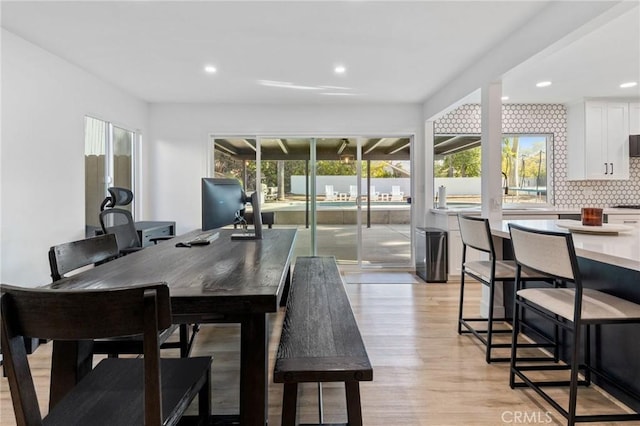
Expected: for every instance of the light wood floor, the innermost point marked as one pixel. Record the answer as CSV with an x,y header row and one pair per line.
x,y
424,373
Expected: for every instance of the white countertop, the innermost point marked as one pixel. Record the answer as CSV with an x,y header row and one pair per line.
x,y
526,210
619,250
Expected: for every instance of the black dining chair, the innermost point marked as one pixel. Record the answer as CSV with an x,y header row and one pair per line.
x,y
574,309
118,391
69,257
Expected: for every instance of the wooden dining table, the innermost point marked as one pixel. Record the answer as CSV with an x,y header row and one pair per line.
x,y
231,281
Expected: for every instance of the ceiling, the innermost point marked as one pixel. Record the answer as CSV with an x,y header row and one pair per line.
x,y
285,52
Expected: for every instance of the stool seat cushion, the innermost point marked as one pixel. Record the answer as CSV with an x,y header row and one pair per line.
x,y
596,305
505,269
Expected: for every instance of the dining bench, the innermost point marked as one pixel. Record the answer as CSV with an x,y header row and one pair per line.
x,y
320,340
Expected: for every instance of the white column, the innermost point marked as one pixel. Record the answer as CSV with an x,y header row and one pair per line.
x,y
429,138
492,151
492,177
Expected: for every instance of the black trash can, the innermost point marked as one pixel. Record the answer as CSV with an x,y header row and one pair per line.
x,y
431,254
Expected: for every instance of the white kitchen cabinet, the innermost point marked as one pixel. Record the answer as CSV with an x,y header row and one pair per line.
x,y
634,118
598,140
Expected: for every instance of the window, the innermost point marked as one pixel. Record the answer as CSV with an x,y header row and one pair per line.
x,y
109,161
524,166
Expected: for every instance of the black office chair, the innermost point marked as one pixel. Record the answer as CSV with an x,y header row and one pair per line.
x,y
147,390
117,197
120,223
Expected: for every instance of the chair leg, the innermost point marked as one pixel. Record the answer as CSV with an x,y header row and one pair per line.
x,y
556,332
514,343
490,322
575,364
461,302
204,400
587,354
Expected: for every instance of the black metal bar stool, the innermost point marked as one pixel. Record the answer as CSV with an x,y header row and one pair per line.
x,y
553,253
475,233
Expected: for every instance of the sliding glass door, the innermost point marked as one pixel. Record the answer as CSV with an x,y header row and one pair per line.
x,y
109,161
347,196
337,207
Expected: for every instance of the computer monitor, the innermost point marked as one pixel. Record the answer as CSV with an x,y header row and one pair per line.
x,y
223,202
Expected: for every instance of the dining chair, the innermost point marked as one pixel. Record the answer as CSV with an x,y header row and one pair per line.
x,y
476,234
69,257
574,309
118,391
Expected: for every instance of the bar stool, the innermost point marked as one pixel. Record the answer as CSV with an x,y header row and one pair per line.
x,y
553,253
475,233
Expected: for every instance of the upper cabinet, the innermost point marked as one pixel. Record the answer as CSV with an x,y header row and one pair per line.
x,y
598,140
634,118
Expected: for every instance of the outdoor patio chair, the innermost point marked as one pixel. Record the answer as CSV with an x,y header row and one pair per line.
x,y
329,193
373,195
353,192
396,194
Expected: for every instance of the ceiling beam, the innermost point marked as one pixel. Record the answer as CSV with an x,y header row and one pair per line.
x,y
400,148
342,146
372,147
283,146
247,142
458,148
217,145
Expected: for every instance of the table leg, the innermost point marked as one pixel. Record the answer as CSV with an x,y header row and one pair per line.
x,y
253,370
70,362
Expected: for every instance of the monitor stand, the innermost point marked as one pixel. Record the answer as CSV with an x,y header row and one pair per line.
x,y
244,236
257,222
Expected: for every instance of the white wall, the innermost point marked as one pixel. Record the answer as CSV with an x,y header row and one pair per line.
x,y
44,102
178,144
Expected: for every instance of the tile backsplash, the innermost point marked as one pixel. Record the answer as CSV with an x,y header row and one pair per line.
x,y
549,119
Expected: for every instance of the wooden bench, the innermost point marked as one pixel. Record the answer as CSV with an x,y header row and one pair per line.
x,y
320,340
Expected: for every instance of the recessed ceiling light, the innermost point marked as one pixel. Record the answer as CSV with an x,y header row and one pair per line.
x,y
629,84
210,69
543,84
339,69
505,98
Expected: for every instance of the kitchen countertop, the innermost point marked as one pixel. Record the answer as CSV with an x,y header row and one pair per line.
x,y
542,210
621,250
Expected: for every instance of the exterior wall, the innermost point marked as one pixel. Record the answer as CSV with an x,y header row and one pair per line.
x,y
550,119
